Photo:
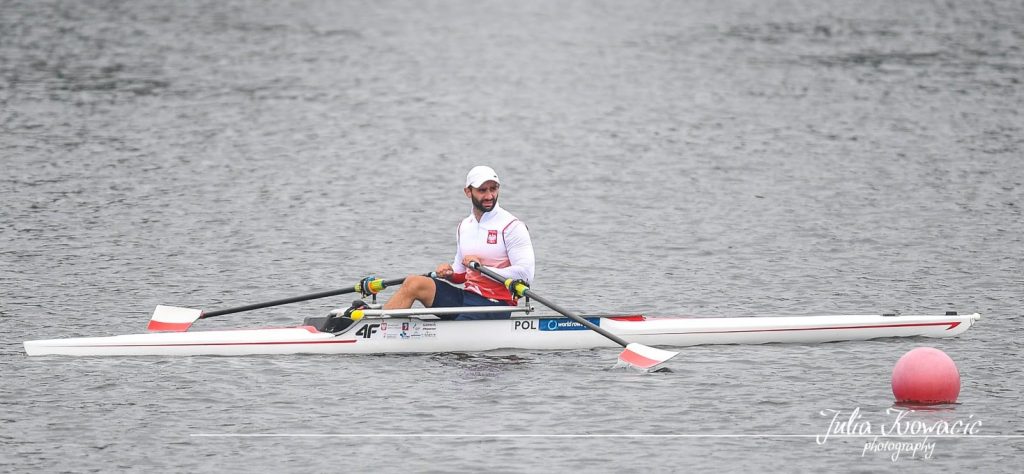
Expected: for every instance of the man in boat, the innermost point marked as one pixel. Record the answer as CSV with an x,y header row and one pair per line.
x,y
491,236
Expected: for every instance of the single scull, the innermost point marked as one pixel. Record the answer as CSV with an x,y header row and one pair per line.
x,y
411,331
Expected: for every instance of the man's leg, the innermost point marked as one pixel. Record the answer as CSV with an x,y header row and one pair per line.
x,y
473,299
415,288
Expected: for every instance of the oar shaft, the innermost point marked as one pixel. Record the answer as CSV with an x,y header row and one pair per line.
x,y
295,299
576,318
569,314
635,354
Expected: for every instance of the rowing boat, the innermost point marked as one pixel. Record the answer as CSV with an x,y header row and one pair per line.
x,y
413,331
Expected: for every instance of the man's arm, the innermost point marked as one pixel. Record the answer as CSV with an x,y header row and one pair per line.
x,y
458,270
520,253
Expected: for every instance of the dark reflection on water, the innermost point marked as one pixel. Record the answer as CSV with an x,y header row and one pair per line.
x,y
483,359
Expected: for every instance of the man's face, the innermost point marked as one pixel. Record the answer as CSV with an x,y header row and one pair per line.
x,y
485,197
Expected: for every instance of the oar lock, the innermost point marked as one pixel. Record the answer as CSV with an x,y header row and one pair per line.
x,y
370,286
516,287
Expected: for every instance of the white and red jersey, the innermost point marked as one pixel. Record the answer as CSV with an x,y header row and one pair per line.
x,y
502,242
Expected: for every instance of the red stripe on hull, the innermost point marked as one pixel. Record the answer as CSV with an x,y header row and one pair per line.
x,y
951,324
632,317
271,343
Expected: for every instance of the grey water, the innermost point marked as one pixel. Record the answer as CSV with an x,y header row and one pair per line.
x,y
708,158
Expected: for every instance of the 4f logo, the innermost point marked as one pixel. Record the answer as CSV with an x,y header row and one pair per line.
x,y
492,236
367,331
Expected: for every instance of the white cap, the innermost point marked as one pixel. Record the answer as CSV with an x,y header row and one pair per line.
x,y
480,175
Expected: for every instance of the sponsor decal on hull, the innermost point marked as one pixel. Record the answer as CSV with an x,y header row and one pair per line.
x,y
551,324
565,324
411,329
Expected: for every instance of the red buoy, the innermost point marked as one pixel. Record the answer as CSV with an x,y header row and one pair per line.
x,y
925,375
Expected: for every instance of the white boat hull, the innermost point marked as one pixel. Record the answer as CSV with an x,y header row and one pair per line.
x,y
413,335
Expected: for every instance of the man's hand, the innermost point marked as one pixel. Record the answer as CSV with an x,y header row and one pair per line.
x,y
445,271
470,258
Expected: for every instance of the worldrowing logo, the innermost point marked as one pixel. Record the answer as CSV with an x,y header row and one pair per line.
x,y
562,324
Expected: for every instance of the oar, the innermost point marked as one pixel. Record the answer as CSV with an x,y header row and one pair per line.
x,y
634,354
175,319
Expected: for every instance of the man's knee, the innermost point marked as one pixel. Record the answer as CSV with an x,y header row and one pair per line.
x,y
418,284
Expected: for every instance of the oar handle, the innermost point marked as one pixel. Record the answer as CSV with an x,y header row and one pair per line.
x,y
296,299
526,291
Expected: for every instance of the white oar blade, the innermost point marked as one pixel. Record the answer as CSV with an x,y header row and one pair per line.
x,y
644,357
173,319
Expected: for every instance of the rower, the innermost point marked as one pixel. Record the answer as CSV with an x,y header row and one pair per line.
x,y
491,236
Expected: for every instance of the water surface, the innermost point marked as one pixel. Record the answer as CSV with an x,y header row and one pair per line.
x,y
675,158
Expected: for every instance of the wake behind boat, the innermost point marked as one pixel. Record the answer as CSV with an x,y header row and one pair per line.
x,y
412,331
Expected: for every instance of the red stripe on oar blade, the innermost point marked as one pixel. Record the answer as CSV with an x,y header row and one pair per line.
x,y
170,327
172,318
637,360
644,357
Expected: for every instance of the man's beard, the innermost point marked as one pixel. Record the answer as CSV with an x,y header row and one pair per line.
x,y
478,205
